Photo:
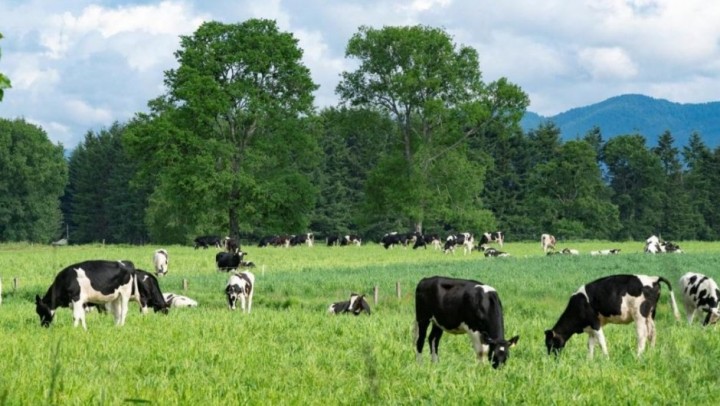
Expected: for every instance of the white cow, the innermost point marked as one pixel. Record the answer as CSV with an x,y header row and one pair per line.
x,y
174,300
240,286
547,242
160,261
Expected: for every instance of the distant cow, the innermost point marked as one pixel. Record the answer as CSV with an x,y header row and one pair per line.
x,y
351,239
427,239
613,251
653,245
564,251
547,242
492,252
160,261
231,244
300,239
461,306
487,238
150,294
464,239
94,281
700,293
229,261
394,238
616,299
355,305
240,286
206,241
174,300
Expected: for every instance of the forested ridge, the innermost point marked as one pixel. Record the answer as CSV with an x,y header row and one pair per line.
x,y
418,142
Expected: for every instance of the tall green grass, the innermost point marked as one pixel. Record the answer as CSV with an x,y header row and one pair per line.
x,y
290,351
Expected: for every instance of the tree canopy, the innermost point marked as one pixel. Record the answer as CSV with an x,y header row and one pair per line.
x,y
4,81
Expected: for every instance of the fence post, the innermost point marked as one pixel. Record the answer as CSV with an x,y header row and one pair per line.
x,y
184,284
15,283
397,289
375,294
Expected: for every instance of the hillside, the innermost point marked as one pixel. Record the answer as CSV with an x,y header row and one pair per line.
x,y
632,113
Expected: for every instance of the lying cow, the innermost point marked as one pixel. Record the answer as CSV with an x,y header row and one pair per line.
x,y
700,293
613,251
492,252
616,299
564,251
547,242
461,306
160,261
174,300
240,286
356,305
94,281
653,245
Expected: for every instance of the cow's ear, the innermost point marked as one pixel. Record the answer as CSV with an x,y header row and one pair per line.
x,y
37,299
513,341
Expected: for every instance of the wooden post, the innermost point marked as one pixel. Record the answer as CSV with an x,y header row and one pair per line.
x,y
184,284
397,289
263,270
375,294
0,290
15,283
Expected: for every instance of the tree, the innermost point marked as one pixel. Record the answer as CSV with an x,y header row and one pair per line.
x,y
34,174
4,81
435,94
230,138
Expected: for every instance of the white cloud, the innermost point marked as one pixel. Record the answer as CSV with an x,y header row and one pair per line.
x,y
80,110
607,63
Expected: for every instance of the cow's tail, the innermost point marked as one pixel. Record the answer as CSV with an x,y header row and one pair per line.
x,y
673,303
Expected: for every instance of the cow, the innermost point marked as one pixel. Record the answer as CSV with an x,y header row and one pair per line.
x,y
653,245
160,261
487,238
174,300
461,306
268,240
392,239
206,241
240,286
231,244
700,293
492,252
351,239
464,239
427,239
150,294
564,251
307,239
93,281
355,305
229,261
547,242
615,299
613,251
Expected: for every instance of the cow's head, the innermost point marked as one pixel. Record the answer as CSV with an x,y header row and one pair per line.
x,y
233,293
358,304
553,342
44,311
499,349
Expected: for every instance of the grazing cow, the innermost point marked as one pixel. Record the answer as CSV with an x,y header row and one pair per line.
x,y
392,239
547,242
240,286
487,238
351,239
174,300
492,252
616,299
231,244
427,239
613,251
150,294
206,241
94,281
356,305
700,293
160,261
461,306
308,239
230,261
464,239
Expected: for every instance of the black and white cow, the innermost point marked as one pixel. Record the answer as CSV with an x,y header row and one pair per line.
x,y
613,251
427,239
487,238
492,252
240,286
461,306
547,242
616,299
174,300
653,245
206,241
94,281
160,261
351,239
700,293
394,238
150,295
355,305
466,240
300,239
229,261
231,244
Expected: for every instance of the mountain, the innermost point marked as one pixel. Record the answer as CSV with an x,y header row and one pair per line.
x,y
637,114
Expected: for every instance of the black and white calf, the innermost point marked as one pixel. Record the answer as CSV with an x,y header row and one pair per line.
x,y
466,240
150,295
94,281
427,239
356,305
240,286
616,299
160,261
547,242
492,252
613,251
487,238
174,300
700,293
461,306
206,241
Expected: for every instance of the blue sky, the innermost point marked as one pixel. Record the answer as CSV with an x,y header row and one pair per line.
x,y
79,65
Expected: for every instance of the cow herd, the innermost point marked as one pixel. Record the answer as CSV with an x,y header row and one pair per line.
x,y
456,306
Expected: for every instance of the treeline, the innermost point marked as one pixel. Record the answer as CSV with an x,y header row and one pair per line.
x,y
418,142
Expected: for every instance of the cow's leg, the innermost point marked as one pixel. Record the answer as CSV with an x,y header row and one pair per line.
x,y
690,310
641,326
591,342
123,303
79,314
480,348
434,341
249,302
420,332
600,338
651,331
242,302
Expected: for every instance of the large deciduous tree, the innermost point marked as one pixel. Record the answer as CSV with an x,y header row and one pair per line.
x,y
434,92
229,140
34,174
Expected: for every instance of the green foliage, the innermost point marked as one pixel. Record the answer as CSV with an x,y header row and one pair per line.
x,y
4,81
34,173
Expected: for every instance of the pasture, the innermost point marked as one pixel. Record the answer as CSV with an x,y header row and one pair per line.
x,y
290,351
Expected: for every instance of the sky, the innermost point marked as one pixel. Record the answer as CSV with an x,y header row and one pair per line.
x,y
80,65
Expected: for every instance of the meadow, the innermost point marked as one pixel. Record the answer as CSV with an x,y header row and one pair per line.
x,y
290,351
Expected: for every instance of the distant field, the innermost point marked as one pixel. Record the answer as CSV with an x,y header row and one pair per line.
x,y
290,351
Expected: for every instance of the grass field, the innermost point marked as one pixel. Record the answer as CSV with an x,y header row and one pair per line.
x,y
290,351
